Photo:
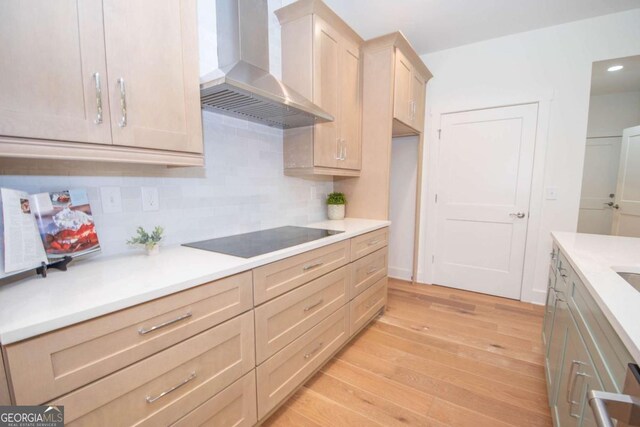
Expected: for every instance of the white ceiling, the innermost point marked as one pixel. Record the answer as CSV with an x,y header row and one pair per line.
x,y
432,25
626,80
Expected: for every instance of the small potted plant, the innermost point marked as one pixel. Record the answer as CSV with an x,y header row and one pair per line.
x,y
151,241
335,205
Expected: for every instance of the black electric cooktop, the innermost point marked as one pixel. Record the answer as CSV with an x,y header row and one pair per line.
x,y
261,242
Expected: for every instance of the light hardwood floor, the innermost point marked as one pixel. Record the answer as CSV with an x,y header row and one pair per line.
x,y
437,357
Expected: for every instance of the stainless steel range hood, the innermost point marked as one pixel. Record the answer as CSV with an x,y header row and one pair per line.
x,y
242,86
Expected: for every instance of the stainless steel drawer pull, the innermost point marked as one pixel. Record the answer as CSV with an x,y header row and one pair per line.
x,y
174,388
373,242
312,306
314,351
98,120
312,266
371,304
372,270
622,407
143,331
123,103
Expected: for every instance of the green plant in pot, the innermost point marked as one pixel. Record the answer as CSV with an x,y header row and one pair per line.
x,y
335,205
151,241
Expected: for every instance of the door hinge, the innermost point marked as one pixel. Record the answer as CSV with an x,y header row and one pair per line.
x,y
433,259
436,198
439,133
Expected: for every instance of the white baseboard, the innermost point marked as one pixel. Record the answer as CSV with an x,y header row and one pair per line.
x,y
399,273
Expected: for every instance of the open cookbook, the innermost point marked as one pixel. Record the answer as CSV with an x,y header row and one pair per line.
x,y
45,227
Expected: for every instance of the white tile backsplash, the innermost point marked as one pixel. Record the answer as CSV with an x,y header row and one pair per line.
x,y
242,188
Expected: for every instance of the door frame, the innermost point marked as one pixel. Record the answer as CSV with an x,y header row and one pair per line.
x,y
535,247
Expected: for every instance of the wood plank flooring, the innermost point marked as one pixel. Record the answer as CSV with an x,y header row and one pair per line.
x,y
437,357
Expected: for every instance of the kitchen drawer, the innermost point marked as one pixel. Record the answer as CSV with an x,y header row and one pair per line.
x,y
366,305
368,270
285,318
368,243
609,354
162,388
233,406
286,370
279,277
55,363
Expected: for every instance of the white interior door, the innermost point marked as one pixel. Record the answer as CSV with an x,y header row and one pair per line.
x,y
601,162
626,219
485,166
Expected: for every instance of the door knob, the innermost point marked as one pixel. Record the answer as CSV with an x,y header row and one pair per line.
x,y
613,205
517,215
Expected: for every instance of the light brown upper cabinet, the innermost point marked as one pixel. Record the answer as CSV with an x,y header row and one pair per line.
x,y
409,95
321,59
107,80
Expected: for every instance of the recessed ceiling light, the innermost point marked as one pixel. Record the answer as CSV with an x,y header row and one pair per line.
x,y
615,68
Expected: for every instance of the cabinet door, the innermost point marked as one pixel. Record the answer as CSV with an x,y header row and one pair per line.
x,y
152,60
350,107
556,347
402,89
417,101
550,310
326,83
51,53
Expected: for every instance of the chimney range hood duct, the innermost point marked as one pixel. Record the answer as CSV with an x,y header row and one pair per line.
x,y
242,87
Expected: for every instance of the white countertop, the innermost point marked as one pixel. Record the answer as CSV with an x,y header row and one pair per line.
x,y
94,287
596,259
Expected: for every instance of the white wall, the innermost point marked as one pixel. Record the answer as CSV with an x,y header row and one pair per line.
x,y
552,66
402,199
242,187
610,114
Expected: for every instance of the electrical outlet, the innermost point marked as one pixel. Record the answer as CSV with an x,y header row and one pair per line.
x,y
150,199
111,199
552,193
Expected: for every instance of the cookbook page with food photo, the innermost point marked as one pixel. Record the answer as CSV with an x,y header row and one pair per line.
x,y
45,227
65,223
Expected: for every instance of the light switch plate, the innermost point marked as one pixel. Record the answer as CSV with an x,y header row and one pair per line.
x,y
111,198
150,199
552,193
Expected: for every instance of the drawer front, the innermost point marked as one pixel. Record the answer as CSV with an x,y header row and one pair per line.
x,y
161,389
55,363
233,406
368,270
369,243
284,319
366,305
272,280
564,268
284,372
609,354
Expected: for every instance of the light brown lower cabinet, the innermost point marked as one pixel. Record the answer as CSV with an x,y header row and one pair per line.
x,y
159,389
233,406
283,373
285,318
366,271
369,243
366,305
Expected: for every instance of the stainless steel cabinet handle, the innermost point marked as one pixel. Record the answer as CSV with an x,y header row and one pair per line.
x,y
373,242
174,388
96,78
344,145
311,266
573,402
312,352
123,103
143,331
553,255
372,270
573,375
622,407
312,306
517,215
370,304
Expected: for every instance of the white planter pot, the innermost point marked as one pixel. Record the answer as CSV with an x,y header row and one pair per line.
x,y
335,211
153,250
